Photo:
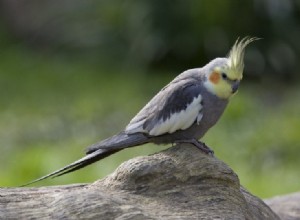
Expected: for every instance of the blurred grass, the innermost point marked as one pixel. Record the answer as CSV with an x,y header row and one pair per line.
x,y
52,107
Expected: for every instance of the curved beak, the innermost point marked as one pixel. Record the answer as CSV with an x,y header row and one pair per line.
x,y
235,86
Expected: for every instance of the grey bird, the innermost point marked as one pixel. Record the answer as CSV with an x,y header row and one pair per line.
x,y
182,112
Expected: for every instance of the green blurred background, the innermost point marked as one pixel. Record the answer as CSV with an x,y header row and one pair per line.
x,y
73,72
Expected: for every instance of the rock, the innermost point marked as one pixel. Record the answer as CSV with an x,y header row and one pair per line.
x,y
286,206
178,183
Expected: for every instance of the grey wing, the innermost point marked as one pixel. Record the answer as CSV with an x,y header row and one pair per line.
x,y
175,107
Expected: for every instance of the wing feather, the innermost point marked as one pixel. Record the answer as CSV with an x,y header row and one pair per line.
x,y
176,107
178,120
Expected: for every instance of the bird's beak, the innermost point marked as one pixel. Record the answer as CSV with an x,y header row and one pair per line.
x,y
235,86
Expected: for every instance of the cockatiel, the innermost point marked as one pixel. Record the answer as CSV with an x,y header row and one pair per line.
x,y
182,112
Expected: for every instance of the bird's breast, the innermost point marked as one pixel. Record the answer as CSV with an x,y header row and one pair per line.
x,y
213,108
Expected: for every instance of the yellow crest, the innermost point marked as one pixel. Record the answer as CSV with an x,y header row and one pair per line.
x,y
236,56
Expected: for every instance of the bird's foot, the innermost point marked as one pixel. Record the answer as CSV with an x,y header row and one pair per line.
x,y
200,145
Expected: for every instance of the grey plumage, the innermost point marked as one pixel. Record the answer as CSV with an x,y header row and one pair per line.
x,y
182,111
173,98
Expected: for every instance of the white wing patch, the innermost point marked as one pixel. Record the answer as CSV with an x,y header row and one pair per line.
x,y
180,120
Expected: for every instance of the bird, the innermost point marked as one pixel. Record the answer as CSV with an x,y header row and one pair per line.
x,y
181,112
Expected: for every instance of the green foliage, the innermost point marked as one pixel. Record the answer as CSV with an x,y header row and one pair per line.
x,y
54,106
174,34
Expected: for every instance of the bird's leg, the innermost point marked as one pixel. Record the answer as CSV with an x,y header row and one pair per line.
x,y
200,145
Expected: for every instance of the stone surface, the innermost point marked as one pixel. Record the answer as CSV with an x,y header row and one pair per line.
x,y
178,183
286,206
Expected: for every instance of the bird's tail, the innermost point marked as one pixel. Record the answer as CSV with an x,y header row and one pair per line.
x,y
119,141
97,152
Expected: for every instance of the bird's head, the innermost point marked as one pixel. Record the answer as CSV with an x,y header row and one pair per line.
x,y
223,75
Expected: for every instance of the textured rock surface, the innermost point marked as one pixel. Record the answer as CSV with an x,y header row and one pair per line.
x,y
178,183
287,206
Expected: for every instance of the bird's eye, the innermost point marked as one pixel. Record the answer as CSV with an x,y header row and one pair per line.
x,y
224,75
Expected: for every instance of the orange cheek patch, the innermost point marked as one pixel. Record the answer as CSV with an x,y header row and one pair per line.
x,y
214,77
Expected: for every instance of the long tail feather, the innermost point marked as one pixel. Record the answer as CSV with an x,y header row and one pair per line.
x,y
97,152
119,141
83,162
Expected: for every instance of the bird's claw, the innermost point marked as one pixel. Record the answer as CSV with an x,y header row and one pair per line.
x,y
207,149
200,145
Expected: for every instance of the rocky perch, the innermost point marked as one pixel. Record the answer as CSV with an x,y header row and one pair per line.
x,y
178,183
